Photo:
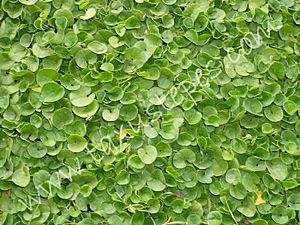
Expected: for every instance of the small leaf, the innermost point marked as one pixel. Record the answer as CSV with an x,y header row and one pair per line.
x,y
110,115
82,97
157,180
147,154
21,176
248,208
76,143
277,169
277,70
87,111
259,199
62,117
253,106
132,23
290,107
52,92
97,47
128,112
5,62
135,161
214,218
294,201
274,113
41,52
105,77
280,215
28,2
255,4
260,222
90,13
182,157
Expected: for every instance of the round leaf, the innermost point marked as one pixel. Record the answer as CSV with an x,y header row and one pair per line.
x,y
274,113
76,143
62,117
147,154
97,47
52,92
21,176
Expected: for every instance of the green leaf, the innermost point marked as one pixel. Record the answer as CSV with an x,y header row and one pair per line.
x,y
219,166
62,117
21,176
214,218
253,106
97,47
41,52
278,170
193,116
135,56
110,115
90,13
52,92
123,178
5,62
4,98
157,180
182,157
44,76
82,97
76,127
28,2
290,107
273,113
292,148
147,154
128,112
87,111
17,52
40,177
233,176
37,150
107,67
192,36
260,222
247,208
280,215
76,143
256,4
150,132
64,13
135,161
294,201
238,191
106,76
132,23
277,70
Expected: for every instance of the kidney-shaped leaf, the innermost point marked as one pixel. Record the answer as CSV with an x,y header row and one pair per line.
x,y
62,117
52,92
76,143
274,113
21,176
277,169
147,154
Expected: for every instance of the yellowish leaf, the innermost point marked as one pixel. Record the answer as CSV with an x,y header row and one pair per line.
x,y
37,89
123,133
259,199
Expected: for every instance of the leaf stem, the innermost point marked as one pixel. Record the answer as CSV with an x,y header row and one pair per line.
x,y
231,214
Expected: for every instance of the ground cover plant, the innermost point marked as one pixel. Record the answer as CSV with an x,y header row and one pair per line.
x,y
149,112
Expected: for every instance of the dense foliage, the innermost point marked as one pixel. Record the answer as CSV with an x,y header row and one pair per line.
x,y
149,112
